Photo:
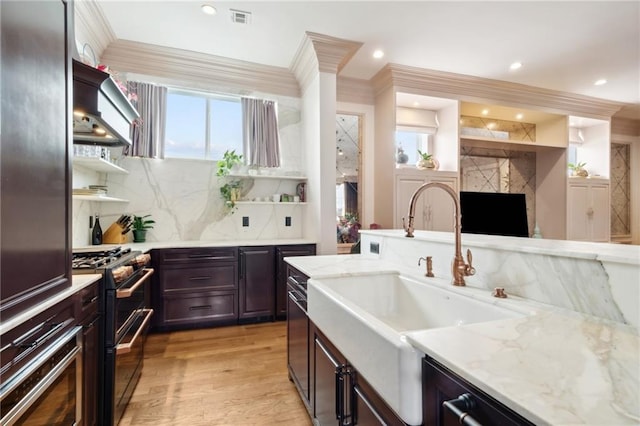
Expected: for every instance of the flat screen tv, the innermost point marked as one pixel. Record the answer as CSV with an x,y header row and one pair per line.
x,y
494,213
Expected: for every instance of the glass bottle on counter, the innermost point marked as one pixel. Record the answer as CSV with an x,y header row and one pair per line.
x,y
96,232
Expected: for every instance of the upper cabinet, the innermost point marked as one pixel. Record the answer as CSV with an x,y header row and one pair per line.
x,y
35,165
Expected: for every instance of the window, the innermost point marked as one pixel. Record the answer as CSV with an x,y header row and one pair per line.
x,y
201,125
411,142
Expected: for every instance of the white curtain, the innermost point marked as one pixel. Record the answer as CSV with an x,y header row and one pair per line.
x,y
260,132
148,134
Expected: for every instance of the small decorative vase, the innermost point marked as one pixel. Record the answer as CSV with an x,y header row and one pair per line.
x,y
431,164
581,173
401,157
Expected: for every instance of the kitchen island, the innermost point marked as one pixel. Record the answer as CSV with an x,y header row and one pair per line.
x,y
574,358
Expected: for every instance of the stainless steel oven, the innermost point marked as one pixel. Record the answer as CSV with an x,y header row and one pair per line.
x,y
125,279
47,390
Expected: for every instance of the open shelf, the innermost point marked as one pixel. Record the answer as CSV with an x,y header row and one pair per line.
x,y
281,203
98,164
100,198
275,177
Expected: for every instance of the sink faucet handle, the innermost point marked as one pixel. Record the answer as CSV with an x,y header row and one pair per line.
x,y
469,269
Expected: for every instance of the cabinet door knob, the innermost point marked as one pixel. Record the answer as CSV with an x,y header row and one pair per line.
x,y
590,211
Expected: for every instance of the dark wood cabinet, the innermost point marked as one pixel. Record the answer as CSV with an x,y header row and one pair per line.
x,y
256,283
35,236
446,397
195,287
209,286
298,336
281,273
340,395
331,406
88,312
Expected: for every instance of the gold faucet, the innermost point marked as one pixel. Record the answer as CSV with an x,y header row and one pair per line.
x,y
459,268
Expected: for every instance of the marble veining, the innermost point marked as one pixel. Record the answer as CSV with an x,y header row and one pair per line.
x,y
593,278
552,368
573,359
184,195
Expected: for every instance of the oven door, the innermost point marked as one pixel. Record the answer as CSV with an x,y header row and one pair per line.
x,y
49,390
127,360
122,303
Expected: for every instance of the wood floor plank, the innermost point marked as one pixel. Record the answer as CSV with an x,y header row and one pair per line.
x,y
234,375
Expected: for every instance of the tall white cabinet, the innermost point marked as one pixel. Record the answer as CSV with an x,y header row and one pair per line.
x,y
588,212
434,209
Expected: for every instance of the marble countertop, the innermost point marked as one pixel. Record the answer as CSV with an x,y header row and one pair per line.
x,y
78,282
554,367
150,245
611,252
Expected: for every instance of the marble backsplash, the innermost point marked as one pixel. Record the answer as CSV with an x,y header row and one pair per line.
x,y
183,196
598,279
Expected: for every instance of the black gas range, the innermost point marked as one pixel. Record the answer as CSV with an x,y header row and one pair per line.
x,y
126,319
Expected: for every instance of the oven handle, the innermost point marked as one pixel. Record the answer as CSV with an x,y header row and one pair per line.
x,y
124,348
121,294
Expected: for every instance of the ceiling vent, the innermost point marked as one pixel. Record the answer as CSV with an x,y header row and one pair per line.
x,y
240,16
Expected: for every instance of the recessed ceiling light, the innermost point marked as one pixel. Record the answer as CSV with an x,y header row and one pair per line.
x,y
485,111
378,54
208,9
416,104
600,82
515,66
519,116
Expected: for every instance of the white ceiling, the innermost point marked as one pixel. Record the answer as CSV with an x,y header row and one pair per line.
x,y
564,46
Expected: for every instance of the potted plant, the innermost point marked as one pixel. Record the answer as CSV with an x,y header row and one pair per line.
x,y
426,161
578,169
229,160
230,191
140,226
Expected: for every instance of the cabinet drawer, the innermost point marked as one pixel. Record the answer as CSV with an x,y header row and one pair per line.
x,y
87,301
200,307
196,255
219,277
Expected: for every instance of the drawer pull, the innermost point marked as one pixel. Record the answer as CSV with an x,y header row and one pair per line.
x,y
199,307
87,302
459,407
199,278
199,255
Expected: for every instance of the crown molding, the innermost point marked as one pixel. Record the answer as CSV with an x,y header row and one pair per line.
x,y
484,90
332,53
321,53
305,63
354,90
199,68
93,25
625,126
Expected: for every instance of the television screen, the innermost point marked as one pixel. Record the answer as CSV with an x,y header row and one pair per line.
x,y
494,213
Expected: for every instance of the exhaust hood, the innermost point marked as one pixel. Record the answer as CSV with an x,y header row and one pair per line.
x,y
102,114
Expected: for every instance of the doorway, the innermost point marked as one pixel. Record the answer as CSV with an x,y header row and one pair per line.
x,y
348,163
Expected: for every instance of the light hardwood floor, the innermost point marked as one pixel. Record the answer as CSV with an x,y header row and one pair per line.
x,y
233,375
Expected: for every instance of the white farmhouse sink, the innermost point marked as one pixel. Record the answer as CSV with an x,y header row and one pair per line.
x,y
365,316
